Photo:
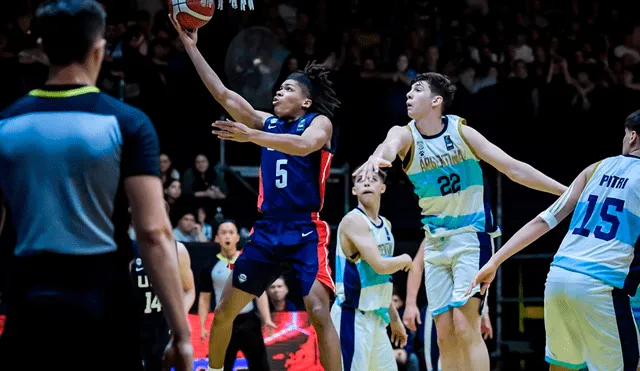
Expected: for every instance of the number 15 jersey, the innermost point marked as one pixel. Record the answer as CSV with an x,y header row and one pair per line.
x,y
604,233
449,182
292,185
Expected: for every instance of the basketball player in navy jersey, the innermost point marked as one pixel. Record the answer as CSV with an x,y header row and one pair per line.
x,y
154,329
298,145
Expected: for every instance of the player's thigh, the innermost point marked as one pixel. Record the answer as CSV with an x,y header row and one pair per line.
x,y
608,327
383,357
438,278
356,336
254,270
469,252
304,261
564,341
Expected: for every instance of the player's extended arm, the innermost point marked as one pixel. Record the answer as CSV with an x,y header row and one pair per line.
x,y
263,308
546,221
354,231
517,171
157,247
236,105
186,276
397,143
414,278
313,139
204,303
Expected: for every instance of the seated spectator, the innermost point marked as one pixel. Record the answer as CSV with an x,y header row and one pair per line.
x,y
167,171
207,229
277,293
188,230
406,359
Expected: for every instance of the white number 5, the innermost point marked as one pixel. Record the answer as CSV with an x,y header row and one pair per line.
x,y
281,174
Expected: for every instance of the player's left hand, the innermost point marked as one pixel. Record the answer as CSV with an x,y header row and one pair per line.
x,y
231,130
398,334
485,326
484,277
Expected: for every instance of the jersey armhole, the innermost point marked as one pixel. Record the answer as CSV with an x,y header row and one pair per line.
x,y
463,122
594,171
408,159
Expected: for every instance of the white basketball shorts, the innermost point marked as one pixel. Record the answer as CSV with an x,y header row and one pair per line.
x,y
588,324
450,263
364,340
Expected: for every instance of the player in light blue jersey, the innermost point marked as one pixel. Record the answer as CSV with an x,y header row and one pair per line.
x,y
364,289
587,311
441,156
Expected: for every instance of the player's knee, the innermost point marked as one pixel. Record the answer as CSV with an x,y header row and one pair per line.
x,y
446,338
319,314
223,315
465,330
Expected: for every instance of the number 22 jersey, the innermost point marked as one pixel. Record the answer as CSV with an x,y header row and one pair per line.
x,y
604,233
293,185
448,181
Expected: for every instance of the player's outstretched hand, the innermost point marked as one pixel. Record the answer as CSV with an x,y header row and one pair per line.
x,y
231,130
189,38
484,277
371,167
411,317
398,334
485,326
179,355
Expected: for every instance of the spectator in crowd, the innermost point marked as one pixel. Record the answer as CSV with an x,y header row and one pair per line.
x,y
188,230
277,293
207,230
405,357
167,171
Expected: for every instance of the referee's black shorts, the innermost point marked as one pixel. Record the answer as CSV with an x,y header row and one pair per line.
x,y
72,313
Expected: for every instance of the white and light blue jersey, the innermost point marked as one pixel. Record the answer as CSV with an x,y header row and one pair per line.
x,y
605,228
635,306
449,182
358,286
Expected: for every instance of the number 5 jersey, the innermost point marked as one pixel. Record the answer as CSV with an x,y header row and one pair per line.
x,y
449,182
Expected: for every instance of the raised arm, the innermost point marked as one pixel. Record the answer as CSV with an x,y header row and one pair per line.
x,y
232,102
356,237
314,138
397,143
535,229
186,276
517,171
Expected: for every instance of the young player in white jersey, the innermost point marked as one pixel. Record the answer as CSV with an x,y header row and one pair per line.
x,y
441,157
587,313
364,264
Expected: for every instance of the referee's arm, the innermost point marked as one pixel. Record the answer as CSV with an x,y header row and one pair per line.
x,y
140,156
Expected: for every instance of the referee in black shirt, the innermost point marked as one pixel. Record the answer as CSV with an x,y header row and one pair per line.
x,y
69,157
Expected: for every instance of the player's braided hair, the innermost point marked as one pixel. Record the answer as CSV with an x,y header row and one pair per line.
x,y
315,79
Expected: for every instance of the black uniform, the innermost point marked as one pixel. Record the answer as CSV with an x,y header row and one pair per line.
x,y
154,329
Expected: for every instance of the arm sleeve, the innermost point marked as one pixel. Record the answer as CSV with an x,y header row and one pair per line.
x,y
141,147
550,214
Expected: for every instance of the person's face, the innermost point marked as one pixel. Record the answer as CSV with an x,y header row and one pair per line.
x,y
397,302
421,100
187,223
368,188
290,99
278,290
227,235
202,163
165,163
174,190
402,63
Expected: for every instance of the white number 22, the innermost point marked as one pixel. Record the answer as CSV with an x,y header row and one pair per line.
x,y
281,174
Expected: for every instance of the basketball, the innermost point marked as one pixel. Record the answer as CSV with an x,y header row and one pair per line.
x,y
191,14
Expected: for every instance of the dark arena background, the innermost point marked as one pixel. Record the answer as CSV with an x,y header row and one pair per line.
x,y
548,81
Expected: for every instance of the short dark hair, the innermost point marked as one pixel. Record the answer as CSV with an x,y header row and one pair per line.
x,y
68,29
225,221
633,122
440,85
381,174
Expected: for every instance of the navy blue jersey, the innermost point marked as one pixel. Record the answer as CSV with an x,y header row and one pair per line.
x,y
64,154
149,304
292,184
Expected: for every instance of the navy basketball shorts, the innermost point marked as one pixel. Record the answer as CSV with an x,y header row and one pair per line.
x,y
276,246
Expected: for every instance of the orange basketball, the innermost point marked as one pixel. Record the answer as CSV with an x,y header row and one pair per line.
x,y
191,14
